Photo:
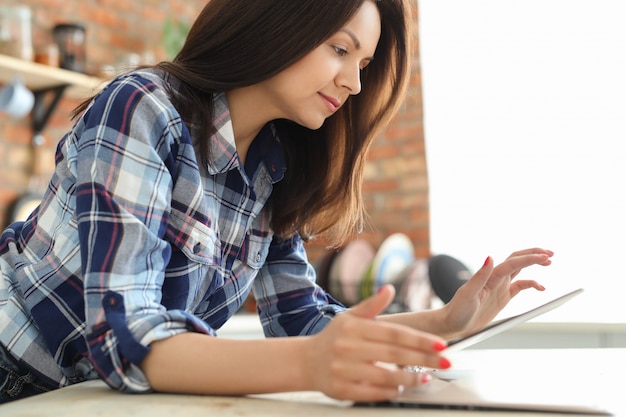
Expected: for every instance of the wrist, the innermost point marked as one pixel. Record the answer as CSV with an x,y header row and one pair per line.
x,y
445,324
302,359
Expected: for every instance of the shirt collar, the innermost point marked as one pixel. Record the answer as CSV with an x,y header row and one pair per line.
x,y
265,148
222,149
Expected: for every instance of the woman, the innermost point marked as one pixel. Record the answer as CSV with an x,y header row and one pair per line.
x,y
183,187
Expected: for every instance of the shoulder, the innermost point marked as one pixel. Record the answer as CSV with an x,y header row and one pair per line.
x,y
143,92
134,111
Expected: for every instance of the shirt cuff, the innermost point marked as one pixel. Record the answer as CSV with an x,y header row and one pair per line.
x,y
118,346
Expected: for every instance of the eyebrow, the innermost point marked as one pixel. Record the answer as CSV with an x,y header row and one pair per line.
x,y
355,40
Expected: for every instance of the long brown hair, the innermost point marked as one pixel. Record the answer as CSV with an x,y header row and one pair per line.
x,y
237,43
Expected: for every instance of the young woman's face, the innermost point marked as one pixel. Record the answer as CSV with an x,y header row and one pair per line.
x,y
313,88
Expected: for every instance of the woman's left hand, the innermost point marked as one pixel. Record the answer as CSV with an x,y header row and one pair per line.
x,y
478,301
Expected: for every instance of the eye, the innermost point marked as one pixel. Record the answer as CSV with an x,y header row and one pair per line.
x,y
365,64
340,50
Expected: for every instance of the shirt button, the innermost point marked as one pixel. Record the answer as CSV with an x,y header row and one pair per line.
x,y
197,248
258,256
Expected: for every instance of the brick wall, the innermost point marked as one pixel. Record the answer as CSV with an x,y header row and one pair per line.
x,y
396,187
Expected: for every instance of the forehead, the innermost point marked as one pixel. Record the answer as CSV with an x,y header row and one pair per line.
x,y
365,26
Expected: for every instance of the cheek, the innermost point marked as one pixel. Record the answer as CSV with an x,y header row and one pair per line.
x,y
315,69
299,85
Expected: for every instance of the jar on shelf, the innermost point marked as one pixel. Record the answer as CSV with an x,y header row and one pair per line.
x,y
47,54
16,32
70,38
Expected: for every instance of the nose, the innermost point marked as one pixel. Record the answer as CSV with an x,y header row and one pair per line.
x,y
350,79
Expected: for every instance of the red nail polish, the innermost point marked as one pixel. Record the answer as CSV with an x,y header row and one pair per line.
x,y
444,363
426,378
487,261
439,346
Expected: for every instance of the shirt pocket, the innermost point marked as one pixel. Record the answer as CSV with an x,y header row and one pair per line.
x,y
256,250
195,239
4,289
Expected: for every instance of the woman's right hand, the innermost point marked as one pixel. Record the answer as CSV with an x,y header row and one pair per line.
x,y
359,358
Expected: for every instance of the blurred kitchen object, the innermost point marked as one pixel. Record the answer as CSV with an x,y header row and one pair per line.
x,y
16,99
70,38
16,32
447,274
174,36
128,62
47,54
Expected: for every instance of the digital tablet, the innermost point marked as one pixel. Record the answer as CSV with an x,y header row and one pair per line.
x,y
499,326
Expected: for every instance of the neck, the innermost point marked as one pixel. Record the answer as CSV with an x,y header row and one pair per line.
x,y
247,116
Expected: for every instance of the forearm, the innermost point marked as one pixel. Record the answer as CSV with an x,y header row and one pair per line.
x,y
198,364
429,321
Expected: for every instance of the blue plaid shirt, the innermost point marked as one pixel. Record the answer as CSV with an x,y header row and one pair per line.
x,y
133,243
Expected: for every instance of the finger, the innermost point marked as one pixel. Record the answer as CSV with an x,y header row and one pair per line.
x,y
513,265
385,377
374,305
521,285
421,376
395,334
371,393
353,380
373,351
475,284
531,251
375,340
534,251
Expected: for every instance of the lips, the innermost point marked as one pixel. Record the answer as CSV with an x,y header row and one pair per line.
x,y
332,103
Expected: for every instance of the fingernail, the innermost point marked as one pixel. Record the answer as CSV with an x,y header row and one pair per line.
x,y
425,378
444,363
487,261
439,346
380,289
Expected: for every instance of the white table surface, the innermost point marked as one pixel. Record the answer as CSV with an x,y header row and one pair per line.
x,y
600,369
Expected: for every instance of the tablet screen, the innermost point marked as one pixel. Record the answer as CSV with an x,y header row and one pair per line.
x,y
499,326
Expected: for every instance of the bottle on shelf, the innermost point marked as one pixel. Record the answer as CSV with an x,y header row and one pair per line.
x,y
16,32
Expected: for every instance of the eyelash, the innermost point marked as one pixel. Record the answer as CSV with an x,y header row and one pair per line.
x,y
340,51
343,52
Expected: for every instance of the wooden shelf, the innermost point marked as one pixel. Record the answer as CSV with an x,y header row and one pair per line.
x,y
39,77
44,80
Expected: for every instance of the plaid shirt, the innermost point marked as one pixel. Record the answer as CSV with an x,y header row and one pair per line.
x,y
133,243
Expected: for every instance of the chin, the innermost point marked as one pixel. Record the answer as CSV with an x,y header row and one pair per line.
x,y
313,124
311,120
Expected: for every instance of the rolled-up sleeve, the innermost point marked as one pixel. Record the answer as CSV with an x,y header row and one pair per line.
x,y
289,301
126,162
